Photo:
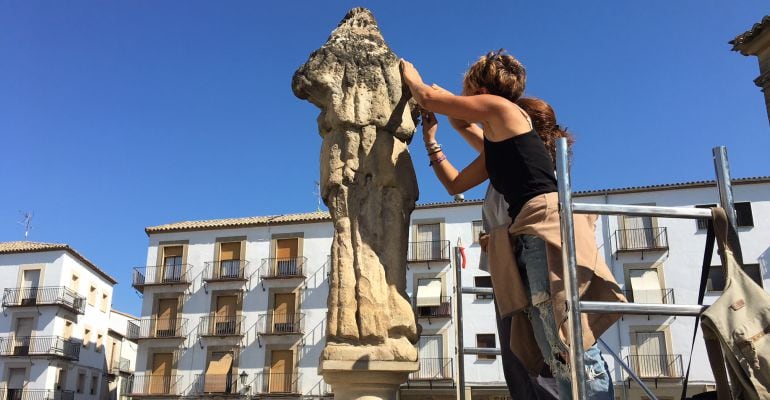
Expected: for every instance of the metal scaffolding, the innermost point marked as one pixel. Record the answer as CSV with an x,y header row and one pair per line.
x,y
574,305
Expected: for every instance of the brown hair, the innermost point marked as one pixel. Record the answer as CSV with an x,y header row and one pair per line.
x,y
499,73
544,120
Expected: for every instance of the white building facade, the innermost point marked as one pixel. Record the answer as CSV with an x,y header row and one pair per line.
x,y
55,322
236,307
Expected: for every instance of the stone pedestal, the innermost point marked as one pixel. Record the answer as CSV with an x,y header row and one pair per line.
x,y
366,380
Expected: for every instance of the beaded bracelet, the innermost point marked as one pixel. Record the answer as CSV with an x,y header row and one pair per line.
x,y
437,161
438,150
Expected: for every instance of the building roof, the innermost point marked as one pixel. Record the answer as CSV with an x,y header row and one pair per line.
x,y
125,314
746,37
33,247
323,216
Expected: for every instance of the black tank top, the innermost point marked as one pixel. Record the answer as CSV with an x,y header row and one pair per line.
x,y
520,169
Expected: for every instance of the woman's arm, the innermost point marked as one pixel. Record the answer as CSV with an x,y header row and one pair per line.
x,y
469,131
455,182
468,108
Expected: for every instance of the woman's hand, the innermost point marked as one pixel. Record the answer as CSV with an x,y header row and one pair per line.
x,y
429,126
410,74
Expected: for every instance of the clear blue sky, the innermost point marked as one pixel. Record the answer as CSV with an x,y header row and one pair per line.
x,y
116,115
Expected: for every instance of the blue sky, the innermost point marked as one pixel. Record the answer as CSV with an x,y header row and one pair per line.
x,y
116,115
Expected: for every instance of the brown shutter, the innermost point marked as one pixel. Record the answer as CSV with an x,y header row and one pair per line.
x,y
218,372
286,248
160,380
281,371
230,251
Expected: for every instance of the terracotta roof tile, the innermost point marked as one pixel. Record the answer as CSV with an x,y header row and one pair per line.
x,y
31,247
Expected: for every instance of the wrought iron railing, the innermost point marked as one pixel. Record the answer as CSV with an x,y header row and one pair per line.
x,y
46,295
216,384
267,382
149,328
40,346
432,369
220,325
641,239
121,364
161,275
656,366
650,296
283,267
435,250
443,310
35,394
225,270
149,384
281,323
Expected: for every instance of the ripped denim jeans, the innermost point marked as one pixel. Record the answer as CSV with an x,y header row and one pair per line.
x,y
531,258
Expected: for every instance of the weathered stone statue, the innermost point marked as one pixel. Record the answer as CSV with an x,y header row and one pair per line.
x,y
368,183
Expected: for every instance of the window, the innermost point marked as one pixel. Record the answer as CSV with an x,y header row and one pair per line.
x,y
637,233
429,292
99,340
94,384
483,282
105,302
81,382
67,329
485,341
218,371
716,281
476,228
172,264
229,260
743,214
75,284
86,337
652,358
92,295
429,242
645,286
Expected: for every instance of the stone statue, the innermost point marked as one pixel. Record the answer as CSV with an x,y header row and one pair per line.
x,y
369,185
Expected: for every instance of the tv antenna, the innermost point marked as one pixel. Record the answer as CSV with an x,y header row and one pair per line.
x,y
26,222
317,194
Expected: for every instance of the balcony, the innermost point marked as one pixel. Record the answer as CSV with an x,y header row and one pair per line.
x,y
444,310
641,240
658,366
283,268
225,270
220,325
433,369
157,328
148,385
281,324
46,295
120,365
650,296
267,384
436,250
40,346
219,385
160,275
35,394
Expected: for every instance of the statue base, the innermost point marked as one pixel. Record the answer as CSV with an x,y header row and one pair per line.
x,y
366,380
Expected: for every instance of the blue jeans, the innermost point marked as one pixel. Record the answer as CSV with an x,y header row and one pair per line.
x,y
531,258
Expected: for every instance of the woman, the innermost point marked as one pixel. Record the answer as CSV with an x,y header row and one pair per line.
x,y
520,168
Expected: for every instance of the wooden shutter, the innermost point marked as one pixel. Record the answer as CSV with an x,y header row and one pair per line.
x,y
281,371
286,248
218,372
230,251
160,380
166,323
